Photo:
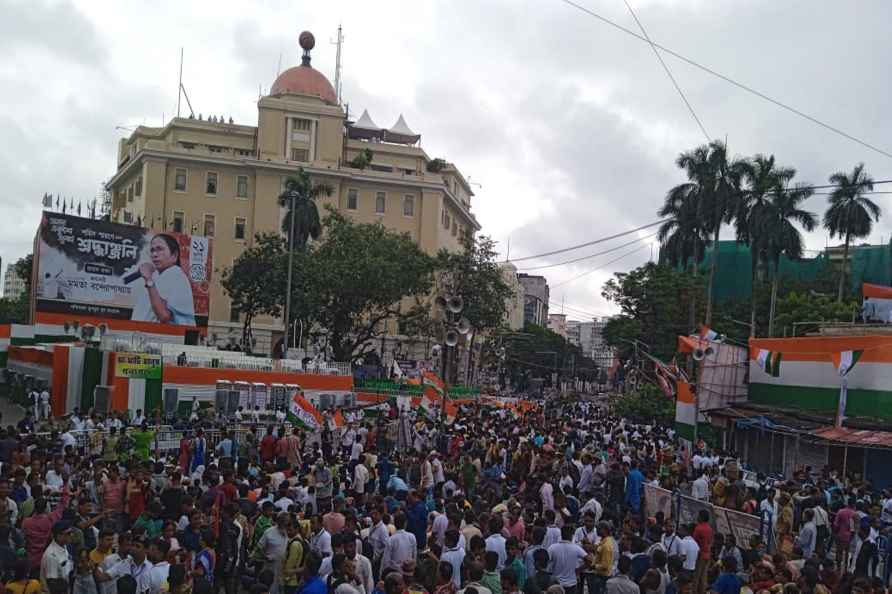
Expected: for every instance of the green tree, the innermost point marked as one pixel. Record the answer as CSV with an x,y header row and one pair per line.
x,y
23,269
799,312
780,235
851,213
762,180
537,353
683,237
473,274
300,195
255,281
652,296
715,181
646,405
355,279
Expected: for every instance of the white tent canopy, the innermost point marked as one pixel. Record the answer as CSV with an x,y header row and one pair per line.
x,y
365,122
401,133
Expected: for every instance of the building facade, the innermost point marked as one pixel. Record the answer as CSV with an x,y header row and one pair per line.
x,y
535,299
514,304
13,284
557,323
219,179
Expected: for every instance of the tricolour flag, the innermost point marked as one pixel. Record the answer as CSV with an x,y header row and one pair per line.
x,y
303,412
431,379
770,362
845,360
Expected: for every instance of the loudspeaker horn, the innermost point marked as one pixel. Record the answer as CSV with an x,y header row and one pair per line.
x,y
709,352
464,326
441,302
455,304
698,354
451,338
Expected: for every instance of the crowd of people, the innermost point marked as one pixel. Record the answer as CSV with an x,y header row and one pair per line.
x,y
493,502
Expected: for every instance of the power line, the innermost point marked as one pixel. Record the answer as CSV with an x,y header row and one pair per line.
x,y
576,310
730,80
588,243
604,265
613,249
669,73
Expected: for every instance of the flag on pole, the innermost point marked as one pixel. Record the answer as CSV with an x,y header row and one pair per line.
x,y
427,406
432,380
78,208
47,200
397,370
303,412
57,202
338,420
845,360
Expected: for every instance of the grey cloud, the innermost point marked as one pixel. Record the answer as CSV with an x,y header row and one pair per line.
x,y
56,27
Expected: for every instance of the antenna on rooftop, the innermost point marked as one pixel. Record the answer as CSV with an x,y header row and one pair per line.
x,y
181,90
337,77
279,66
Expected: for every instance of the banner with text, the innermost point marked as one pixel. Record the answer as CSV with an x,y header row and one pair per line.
x,y
138,365
97,268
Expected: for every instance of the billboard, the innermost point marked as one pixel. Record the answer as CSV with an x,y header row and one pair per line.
x,y
98,268
138,365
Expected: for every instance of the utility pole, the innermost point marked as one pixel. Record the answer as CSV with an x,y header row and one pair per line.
x,y
337,77
291,196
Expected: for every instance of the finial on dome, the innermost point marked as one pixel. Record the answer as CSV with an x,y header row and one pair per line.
x,y
306,42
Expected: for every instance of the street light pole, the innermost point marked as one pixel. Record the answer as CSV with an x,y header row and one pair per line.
x,y
291,196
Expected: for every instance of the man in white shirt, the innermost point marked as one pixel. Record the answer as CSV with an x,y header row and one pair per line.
x,y
454,555
362,565
320,542
77,423
355,450
546,494
360,478
34,399
565,558
136,565
139,418
378,536
594,506
45,407
56,563
690,550
496,542
160,567
400,547
587,532
552,532
700,488
670,541
437,466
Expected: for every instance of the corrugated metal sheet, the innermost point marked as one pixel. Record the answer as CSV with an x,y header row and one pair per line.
x,y
860,437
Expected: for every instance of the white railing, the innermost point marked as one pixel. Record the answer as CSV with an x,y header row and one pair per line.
x,y
194,356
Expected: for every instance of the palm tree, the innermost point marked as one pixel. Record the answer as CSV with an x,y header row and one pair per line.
x,y
301,222
299,200
716,183
780,237
851,213
763,180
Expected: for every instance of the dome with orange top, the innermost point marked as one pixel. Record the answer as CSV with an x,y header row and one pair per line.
x,y
304,79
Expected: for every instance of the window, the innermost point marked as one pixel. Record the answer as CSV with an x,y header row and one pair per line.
x,y
380,199
208,225
241,186
454,228
179,183
210,184
234,314
409,206
138,190
240,224
128,217
352,199
300,154
130,193
179,221
301,124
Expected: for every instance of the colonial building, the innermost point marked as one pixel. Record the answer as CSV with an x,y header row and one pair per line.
x,y
535,299
220,179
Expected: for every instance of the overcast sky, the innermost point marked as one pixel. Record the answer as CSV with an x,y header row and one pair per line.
x,y
569,126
